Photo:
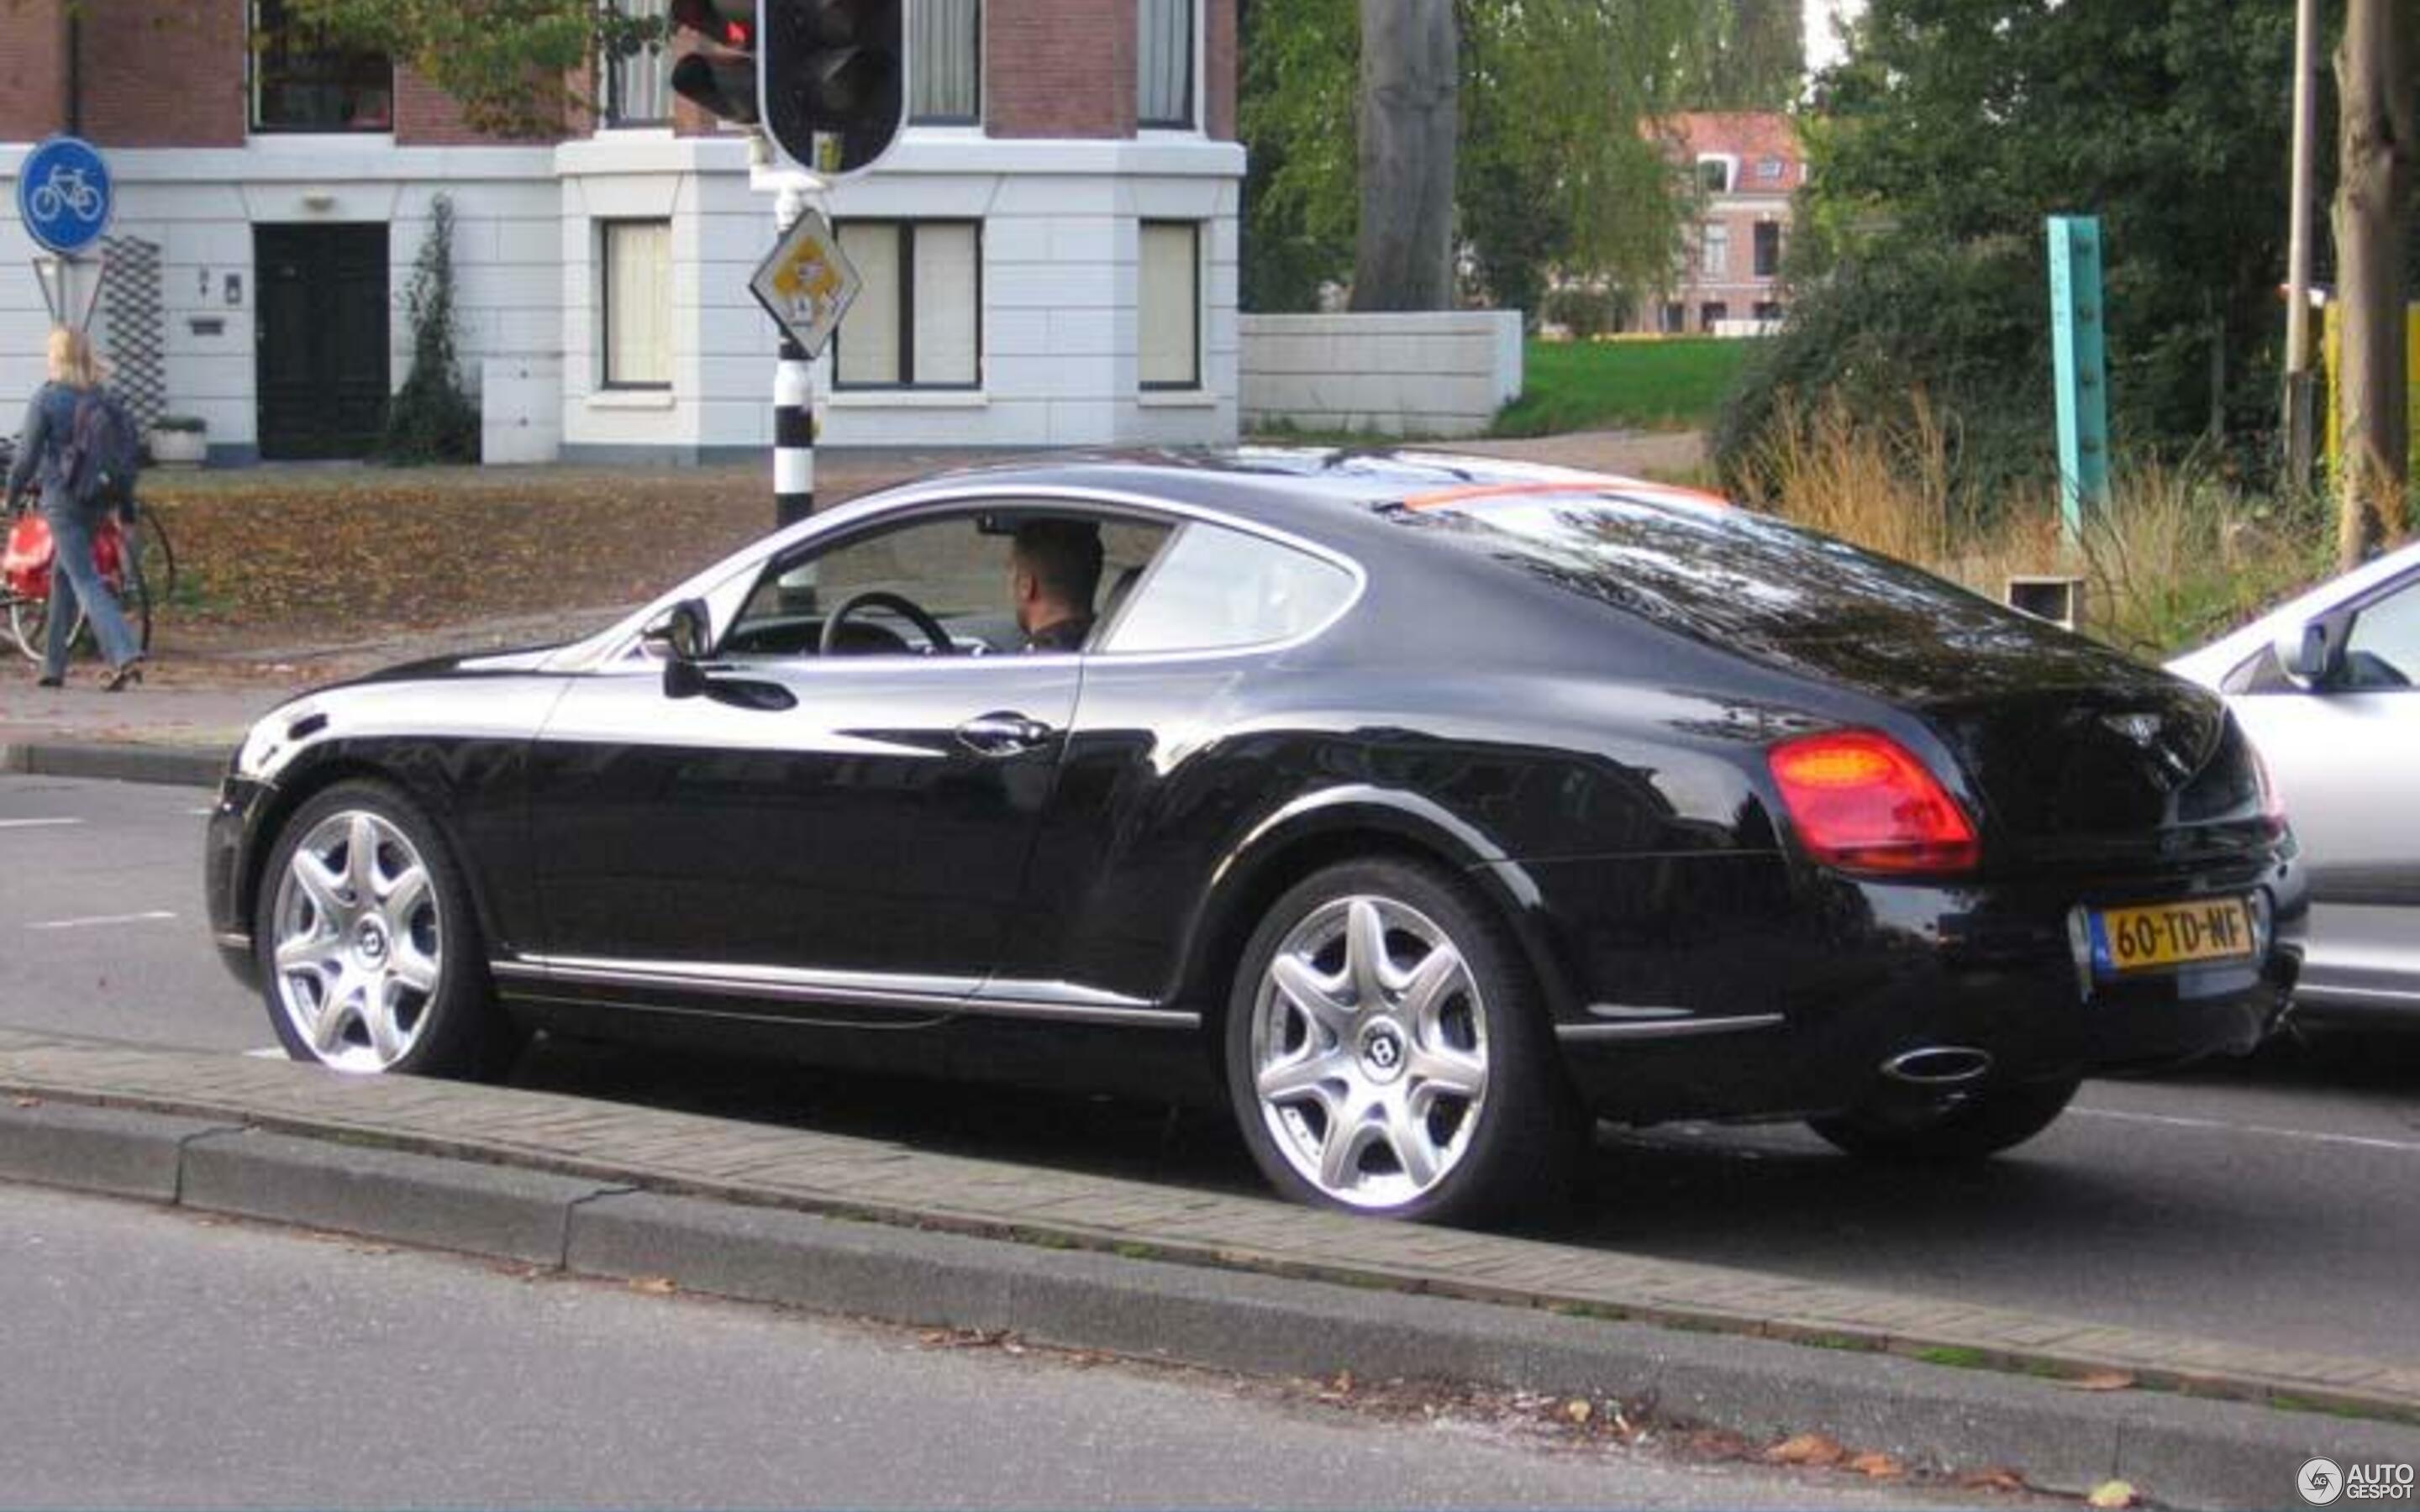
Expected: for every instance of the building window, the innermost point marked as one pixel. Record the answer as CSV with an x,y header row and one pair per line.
x,y
1168,290
1164,49
1768,248
1714,250
300,83
1675,318
1768,310
918,319
945,45
638,86
1768,170
1714,175
1711,313
636,307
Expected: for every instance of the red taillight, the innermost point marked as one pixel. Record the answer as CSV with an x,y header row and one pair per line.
x,y
1862,802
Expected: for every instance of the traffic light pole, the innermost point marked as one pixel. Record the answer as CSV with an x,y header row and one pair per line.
x,y
794,384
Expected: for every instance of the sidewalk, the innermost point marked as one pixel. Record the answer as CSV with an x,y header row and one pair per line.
x,y
866,1227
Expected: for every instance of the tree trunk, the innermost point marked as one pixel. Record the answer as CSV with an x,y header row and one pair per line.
x,y
2373,196
1408,122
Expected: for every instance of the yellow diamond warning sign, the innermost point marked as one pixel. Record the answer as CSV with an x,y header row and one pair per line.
x,y
807,283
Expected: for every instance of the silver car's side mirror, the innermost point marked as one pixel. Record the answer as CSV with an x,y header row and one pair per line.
x,y
681,633
2310,652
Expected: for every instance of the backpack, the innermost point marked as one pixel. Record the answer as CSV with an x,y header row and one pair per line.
x,y
102,452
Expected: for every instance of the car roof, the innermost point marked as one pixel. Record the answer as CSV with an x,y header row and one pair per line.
x,y
1280,484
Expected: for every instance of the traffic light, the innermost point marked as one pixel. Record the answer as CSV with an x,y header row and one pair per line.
x,y
835,81
718,74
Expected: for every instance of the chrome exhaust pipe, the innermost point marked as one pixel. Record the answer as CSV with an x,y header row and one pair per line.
x,y
1938,1065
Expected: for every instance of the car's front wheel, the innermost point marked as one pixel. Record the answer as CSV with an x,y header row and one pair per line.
x,y
369,950
1386,1052
1977,1125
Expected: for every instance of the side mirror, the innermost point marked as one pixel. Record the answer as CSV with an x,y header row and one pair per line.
x,y
681,634
2311,654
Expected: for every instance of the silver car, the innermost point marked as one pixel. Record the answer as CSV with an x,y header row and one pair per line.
x,y
2329,688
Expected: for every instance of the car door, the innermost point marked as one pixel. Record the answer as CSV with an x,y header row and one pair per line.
x,y
824,830
2345,758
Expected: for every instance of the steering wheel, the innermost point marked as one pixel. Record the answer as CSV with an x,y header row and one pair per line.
x,y
883,598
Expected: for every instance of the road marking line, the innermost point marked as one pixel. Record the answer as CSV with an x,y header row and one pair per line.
x,y
273,1052
2308,1136
35,824
213,809
105,919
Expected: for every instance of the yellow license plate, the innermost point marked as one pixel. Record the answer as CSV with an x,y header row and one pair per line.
x,y
2170,935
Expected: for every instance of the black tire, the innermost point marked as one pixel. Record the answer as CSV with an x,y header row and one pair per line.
x,y
450,1028
1976,1127
156,555
1507,1150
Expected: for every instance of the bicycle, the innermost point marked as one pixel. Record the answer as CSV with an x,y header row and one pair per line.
x,y
25,572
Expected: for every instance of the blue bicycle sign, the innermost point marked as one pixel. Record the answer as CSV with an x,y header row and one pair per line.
x,y
63,194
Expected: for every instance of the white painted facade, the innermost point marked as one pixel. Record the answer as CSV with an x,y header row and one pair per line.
x,y
1060,225
1443,374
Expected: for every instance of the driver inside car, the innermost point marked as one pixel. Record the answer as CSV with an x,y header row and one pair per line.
x,y
1054,567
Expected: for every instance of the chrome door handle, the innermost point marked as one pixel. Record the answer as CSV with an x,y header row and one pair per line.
x,y
1003,735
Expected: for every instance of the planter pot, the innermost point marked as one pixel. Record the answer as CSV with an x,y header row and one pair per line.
x,y
179,448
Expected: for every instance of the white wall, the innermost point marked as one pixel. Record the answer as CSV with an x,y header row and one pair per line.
x,y
1443,374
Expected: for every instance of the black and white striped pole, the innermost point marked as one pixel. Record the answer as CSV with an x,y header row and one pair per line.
x,y
794,390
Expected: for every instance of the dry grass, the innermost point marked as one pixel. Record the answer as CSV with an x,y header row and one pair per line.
x,y
2177,557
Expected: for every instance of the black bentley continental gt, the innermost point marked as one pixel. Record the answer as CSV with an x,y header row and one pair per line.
x,y
1421,806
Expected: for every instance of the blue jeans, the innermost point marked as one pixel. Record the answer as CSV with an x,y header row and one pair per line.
x,y
75,581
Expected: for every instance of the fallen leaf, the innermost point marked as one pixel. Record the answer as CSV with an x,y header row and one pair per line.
x,y
27,1102
653,1285
1878,1465
1995,1478
2111,1495
2100,1380
1579,1411
1806,1449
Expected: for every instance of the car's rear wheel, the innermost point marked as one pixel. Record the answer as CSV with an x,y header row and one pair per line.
x,y
369,949
1977,1125
1386,1052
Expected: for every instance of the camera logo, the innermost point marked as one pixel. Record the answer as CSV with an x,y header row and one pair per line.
x,y
2321,1482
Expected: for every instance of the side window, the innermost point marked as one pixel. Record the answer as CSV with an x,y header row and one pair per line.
x,y
2384,650
961,571
1215,588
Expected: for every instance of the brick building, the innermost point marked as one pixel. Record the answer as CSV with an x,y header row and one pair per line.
x,y
1728,283
1049,253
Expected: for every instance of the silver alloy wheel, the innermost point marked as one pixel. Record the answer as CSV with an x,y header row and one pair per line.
x,y
359,943
1369,1052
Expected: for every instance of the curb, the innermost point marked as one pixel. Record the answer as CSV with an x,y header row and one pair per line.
x,y
2186,1451
118,762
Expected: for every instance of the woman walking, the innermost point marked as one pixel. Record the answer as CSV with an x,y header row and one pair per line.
x,y
50,426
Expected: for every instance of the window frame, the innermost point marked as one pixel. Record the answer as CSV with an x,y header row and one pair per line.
x,y
256,74
611,114
1711,235
605,379
1760,263
907,382
1198,286
982,61
1191,117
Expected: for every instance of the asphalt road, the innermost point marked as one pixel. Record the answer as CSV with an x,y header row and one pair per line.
x,y
204,1365
2273,1202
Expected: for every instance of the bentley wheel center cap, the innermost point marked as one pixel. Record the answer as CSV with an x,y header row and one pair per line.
x,y
1381,1052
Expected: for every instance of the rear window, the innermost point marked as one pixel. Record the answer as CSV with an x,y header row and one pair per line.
x,y
1753,584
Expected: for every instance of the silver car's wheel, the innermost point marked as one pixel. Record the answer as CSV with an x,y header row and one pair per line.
x,y
1370,1052
360,941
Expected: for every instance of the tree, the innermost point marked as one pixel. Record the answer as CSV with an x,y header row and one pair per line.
x,y
1410,85
2373,216
1938,148
1751,55
431,419
517,68
1556,171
